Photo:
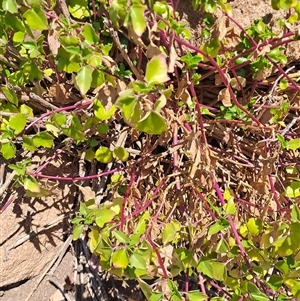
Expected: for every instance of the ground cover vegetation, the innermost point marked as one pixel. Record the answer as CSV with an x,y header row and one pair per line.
x,y
188,153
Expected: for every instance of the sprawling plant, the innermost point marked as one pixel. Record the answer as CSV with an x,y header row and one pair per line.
x,y
197,143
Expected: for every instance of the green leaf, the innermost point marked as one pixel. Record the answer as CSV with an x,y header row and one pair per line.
x,y
284,246
100,111
156,70
77,231
212,269
293,144
293,190
153,123
156,296
230,206
218,226
120,259
89,34
295,213
255,226
31,184
98,77
137,261
103,154
28,143
169,233
219,271
138,19
255,293
94,239
43,139
275,282
10,95
212,48
146,289
283,84
83,79
79,8
8,150
129,106
18,123
196,296
10,5
120,236
121,154
104,216
36,19
160,103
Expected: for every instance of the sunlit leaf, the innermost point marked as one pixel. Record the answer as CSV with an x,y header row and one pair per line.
x,y
104,216
31,184
77,231
293,144
89,34
10,95
18,123
120,258
36,19
43,139
169,233
103,154
79,8
8,150
137,261
84,79
10,5
100,111
255,226
218,226
293,190
28,143
196,296
121,153
153,123
156,70
137,18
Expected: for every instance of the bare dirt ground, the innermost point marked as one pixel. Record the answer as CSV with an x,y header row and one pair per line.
x,y
33,232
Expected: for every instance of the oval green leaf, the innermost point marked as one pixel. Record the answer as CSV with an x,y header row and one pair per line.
x,y
120,259
138,19
153,123
104,216
103,154
43,139
157,70
18,123
83,79
36,19
121,153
